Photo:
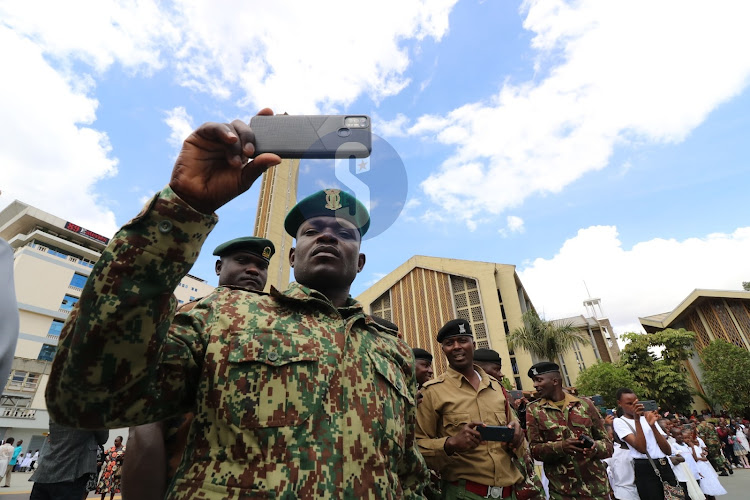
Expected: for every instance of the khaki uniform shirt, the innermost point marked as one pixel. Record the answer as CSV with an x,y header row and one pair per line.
x,y
449,403
293,397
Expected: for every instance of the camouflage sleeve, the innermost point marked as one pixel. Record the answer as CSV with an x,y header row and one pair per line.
x,y
117,356
540,450
604,447
430,445
413,471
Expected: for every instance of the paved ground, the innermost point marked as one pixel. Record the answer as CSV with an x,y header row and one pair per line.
x,y
737,487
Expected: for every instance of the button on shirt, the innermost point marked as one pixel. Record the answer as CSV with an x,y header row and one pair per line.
x,y
450,402
621,428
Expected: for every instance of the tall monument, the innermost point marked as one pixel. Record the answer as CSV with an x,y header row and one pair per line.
x,y
278,194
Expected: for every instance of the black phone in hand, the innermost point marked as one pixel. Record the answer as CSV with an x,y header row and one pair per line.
x,y
496,433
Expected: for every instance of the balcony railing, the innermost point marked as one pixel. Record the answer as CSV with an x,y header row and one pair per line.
x,y
18,413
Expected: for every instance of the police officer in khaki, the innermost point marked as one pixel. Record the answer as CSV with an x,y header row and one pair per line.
x,y
454,405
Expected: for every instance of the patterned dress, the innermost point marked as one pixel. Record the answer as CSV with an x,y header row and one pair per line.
x,y
111,471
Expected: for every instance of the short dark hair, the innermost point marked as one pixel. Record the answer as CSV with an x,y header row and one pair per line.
x,y
9,440
623,390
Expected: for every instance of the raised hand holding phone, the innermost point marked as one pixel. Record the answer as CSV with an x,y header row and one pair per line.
x,y
213,166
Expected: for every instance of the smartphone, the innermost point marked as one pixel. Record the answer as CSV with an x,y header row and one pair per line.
x,y
516,394
313,136
597,400
586,441
649,405
496,433
610,411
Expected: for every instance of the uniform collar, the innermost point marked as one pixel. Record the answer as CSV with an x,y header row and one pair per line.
x,y
457,378
297,292
569,399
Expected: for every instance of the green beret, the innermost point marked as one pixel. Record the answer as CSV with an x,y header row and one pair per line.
x,y
259,246
422,354
487,355
454,328
543,367
328,203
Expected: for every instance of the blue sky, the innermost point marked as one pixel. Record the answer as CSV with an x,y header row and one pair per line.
x,y
603,142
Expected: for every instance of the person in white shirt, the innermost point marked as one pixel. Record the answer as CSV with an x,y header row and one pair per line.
x,y
710,484
620,468
687,471
639,430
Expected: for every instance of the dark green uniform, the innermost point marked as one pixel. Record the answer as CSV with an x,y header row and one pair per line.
x,y
293,397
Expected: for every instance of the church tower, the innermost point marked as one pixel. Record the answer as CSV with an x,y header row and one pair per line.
x,y
278,194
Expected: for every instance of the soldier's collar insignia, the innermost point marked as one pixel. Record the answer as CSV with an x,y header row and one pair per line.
x,y
267,252
462,328
333,199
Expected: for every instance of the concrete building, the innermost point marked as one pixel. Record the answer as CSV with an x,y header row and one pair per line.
x,y
278,194
424,293
52,260
711,314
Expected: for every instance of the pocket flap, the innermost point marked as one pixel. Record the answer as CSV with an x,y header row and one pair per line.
x,y
391,371
270,350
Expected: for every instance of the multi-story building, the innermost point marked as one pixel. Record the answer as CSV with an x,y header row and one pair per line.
x,y
425,292
712,315
52,260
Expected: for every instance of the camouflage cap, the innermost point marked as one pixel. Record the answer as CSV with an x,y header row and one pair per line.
x,y
543,367
259,246
487,355
454,328
328,203
422,354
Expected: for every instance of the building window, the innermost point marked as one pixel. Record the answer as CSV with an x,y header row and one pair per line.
x,y
23,381
47,353
68,302
55,328
382,306
78,281
469,305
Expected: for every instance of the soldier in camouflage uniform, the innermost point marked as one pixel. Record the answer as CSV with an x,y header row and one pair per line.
x,y
297,394
558,426
707,432
243,263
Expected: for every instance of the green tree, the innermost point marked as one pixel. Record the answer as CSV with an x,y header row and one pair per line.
x,y
545,339
725,368
604,379
663,376
746,285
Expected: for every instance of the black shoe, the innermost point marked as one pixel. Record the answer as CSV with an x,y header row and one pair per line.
x,y
724,474
731,471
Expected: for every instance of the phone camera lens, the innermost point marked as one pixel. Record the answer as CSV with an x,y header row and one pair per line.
x,y
344,132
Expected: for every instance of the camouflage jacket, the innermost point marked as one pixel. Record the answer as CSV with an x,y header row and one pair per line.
x,y
569,476
709,436
293,398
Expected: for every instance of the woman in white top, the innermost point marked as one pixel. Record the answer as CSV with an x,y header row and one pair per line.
x,y
709,479
620,469
642,435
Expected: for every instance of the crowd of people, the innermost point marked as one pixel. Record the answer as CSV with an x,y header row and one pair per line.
x,y
302,394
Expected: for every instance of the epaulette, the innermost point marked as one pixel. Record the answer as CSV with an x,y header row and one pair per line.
x,y
432,382
382,325
187,306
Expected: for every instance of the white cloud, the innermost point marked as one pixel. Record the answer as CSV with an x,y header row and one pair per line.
x,y
650,278
390,128
290,57
515,224
181,125
375,278
622,72
50,156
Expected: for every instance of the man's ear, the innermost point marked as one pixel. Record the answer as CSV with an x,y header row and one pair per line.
x,y
361,262
218,267
291,257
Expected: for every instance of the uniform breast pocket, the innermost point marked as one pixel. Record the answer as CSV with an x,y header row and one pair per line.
x,y
394,398
454,422
270,385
